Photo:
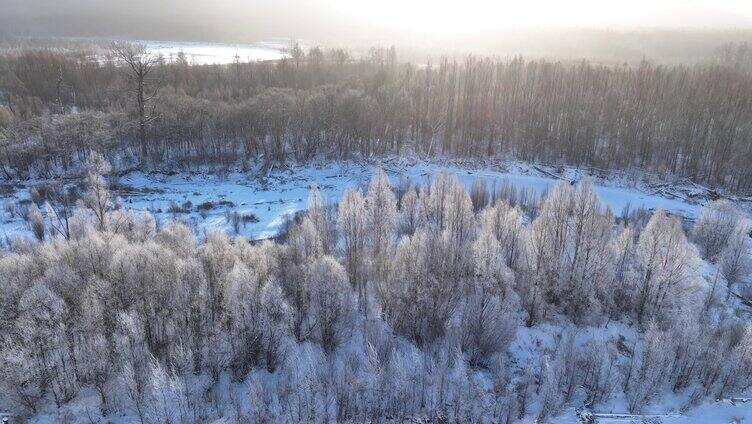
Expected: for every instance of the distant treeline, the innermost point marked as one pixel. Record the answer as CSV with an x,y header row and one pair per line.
x,y
693,121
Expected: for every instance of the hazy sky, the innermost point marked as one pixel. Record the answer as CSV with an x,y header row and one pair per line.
x,y
316,18
443,16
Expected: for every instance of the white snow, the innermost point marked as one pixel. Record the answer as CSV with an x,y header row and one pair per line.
x,y
285,192
217,53
718,412
274,197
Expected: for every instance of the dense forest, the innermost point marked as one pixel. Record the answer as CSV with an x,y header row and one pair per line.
x,y
691,121
398,303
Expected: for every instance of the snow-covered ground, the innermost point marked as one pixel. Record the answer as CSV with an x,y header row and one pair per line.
x,y
274,196
725,411
217,53
719,412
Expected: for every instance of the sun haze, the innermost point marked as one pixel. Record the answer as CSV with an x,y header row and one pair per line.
x,y
240,20
448,16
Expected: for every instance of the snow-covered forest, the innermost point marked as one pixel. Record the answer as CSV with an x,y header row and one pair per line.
x,y
429,303
691,121
349,236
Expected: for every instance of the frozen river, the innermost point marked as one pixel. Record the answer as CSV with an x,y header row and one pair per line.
x,y
200,53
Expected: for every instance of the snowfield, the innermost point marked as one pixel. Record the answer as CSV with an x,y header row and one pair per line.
x,y
217,53
268,199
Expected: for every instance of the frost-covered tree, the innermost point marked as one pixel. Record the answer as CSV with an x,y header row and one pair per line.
x,y
597,370
381,213
715,226
243,305
647,370
96,351
409,218
36,222
19,271
217,257
304,242
588,265
620,294
669,269
36,355
552,223
23,381
733,260
545,245
531,282
480,195
320,216
277,323
487,321
352,227
42,327
58,223
458,220
506,224
434,200
551,375
134,364
98,197
332,306
178,238
424,289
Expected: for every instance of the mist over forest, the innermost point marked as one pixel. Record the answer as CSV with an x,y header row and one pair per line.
x,y
682,33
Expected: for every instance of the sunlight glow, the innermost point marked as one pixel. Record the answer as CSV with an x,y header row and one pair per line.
x,y
451,16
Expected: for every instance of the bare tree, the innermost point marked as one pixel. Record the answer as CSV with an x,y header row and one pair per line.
x,y
143,86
